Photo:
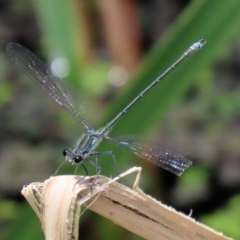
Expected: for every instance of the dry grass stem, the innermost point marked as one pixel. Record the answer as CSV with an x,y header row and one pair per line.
x,y
57,202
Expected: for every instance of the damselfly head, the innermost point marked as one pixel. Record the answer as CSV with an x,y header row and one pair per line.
x,y
70,157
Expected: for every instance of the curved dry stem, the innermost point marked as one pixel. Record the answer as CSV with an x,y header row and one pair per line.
x,y
58,201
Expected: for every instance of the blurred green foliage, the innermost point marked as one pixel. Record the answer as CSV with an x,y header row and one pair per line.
x,y
226,220
217,21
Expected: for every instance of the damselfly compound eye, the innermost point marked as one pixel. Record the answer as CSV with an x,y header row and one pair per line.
x,y
65,152
78,159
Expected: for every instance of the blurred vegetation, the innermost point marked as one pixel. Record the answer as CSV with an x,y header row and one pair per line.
x,y
196,108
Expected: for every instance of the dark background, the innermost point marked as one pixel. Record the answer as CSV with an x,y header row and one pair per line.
x,y
113,50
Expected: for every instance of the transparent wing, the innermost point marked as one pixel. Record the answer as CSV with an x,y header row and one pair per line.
x,y
158,153
54,86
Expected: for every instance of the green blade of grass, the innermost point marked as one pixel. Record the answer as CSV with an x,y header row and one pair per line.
x,y
63,33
